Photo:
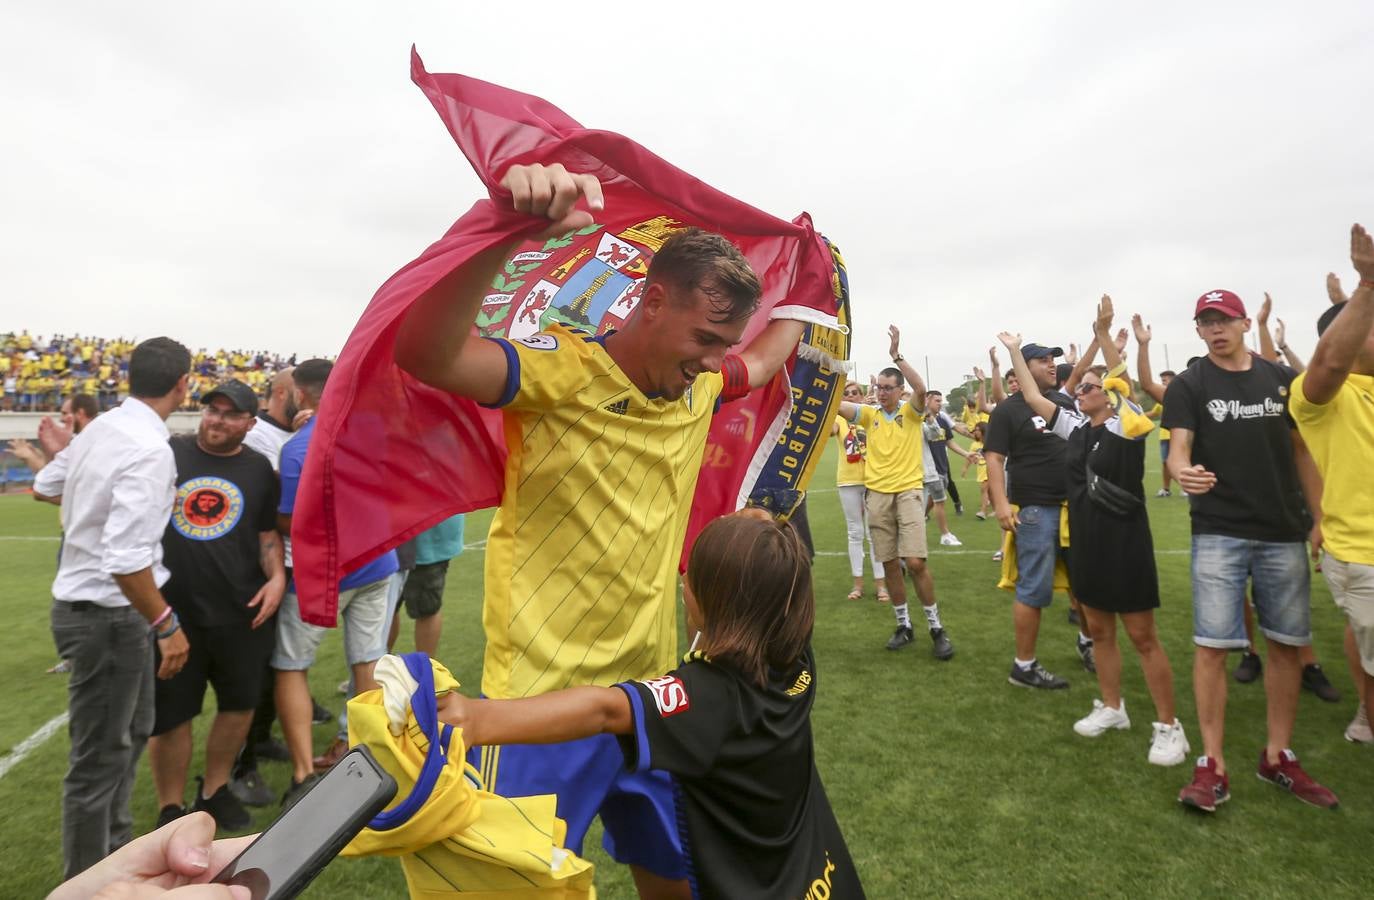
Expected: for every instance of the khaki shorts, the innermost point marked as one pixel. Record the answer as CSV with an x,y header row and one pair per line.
x,y
1352,587
897,523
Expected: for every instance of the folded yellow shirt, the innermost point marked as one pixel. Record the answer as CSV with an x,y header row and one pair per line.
x,y
463,840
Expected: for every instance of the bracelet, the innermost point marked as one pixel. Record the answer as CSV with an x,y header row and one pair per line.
x,y
1366,283
166,611
172,628
898,358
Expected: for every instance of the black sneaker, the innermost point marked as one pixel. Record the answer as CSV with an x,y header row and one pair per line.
x,y
320,715
1315,680
941,647
1249,669
1073,616
272,749
297,790
901,637
958,509
1085,653
224,806
250,789
1035,677
170,813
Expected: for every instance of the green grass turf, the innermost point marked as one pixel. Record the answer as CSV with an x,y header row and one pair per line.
x,y
946,780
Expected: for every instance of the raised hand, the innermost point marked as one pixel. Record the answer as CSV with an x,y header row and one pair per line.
x,y
979,374
1072,356
1120,341
1265,309
1102,325
1142,331
1361,256
1009,340
552,192
894,336
992,356
1334,291
1278,334
52,437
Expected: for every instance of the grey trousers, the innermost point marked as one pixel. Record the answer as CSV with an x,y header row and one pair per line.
x,y
110,705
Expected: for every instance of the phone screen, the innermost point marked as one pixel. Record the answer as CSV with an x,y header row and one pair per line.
x,y
302,841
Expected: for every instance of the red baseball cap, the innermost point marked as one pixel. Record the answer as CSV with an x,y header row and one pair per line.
x,y
1223,302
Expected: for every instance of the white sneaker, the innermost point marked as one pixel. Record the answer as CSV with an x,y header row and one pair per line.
x,y
949,540
997,557
1169,745
1101,718
1357,732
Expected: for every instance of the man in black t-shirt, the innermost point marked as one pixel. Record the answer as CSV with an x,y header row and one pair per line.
x,y
228,577
1026,468
1235,451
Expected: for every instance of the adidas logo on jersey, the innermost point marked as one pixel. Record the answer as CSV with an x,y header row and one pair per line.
x,y
620,407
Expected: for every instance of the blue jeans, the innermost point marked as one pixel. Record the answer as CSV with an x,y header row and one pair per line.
x,y
1280,585
1037,549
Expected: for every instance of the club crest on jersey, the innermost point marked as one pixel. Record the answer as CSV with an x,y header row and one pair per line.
x,y
539,342
670,695
1038,422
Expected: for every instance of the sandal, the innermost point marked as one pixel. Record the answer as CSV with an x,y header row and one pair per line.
x,y
884,596
855,594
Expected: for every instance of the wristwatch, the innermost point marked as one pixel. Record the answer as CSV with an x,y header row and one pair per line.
x,y
898,358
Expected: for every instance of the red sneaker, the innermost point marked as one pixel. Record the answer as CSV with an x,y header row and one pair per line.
x,y
1208,790
1288,774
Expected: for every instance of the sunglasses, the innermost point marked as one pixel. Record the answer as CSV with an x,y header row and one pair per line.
x,y
1085,388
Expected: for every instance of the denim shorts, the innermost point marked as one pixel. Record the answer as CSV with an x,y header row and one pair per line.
x,y
1164,452
364,613
1280,588
1037,550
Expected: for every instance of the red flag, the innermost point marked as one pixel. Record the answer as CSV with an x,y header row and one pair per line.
x,y
391,456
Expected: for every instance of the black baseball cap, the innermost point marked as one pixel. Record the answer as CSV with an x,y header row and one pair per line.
x,y
1035,351
237,393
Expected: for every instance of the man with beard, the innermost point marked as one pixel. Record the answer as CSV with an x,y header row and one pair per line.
x,y
228,577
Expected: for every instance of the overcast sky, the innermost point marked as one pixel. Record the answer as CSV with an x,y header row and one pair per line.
x,y
247,174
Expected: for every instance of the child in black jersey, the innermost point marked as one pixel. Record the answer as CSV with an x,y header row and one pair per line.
x,y
731,725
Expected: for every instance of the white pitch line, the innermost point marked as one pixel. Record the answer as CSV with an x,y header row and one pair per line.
x,y
30,744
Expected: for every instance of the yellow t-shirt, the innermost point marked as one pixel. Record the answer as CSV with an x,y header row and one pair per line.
x,y
981,467
893,463
853,441
582,556
1340,435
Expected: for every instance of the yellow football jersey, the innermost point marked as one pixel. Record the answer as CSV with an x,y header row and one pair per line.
x,y
894,463
582,555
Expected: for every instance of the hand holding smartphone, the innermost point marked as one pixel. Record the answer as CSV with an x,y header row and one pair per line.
x,y
304,839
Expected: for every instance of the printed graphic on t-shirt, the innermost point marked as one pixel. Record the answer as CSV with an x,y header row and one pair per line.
x,y
207,508
1221,410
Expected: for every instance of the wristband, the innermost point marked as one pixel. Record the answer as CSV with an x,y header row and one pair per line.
x,y
166,611
736,378
1366,283
170,630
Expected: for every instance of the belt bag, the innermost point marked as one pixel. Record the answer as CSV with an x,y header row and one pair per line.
x,y
1111,498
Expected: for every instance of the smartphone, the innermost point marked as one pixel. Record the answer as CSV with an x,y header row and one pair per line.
x,y
302,841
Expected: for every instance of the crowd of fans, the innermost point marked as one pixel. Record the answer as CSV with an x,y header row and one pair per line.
x,y
38,372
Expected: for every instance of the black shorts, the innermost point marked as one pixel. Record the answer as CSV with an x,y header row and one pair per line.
x,y
231,658
423,594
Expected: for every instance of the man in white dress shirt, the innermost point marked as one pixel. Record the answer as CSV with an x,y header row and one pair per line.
x,y
116,482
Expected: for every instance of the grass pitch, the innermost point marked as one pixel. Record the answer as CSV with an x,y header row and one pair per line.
x,y
946,780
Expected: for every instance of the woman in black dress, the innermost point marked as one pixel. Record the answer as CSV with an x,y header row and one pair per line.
x,y
1111,557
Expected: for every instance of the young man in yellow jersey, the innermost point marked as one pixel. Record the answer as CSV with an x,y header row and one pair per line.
x,y
894,475
605,437
1333,405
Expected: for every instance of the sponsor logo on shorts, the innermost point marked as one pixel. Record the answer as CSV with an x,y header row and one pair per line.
x,y
539,342
670,695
